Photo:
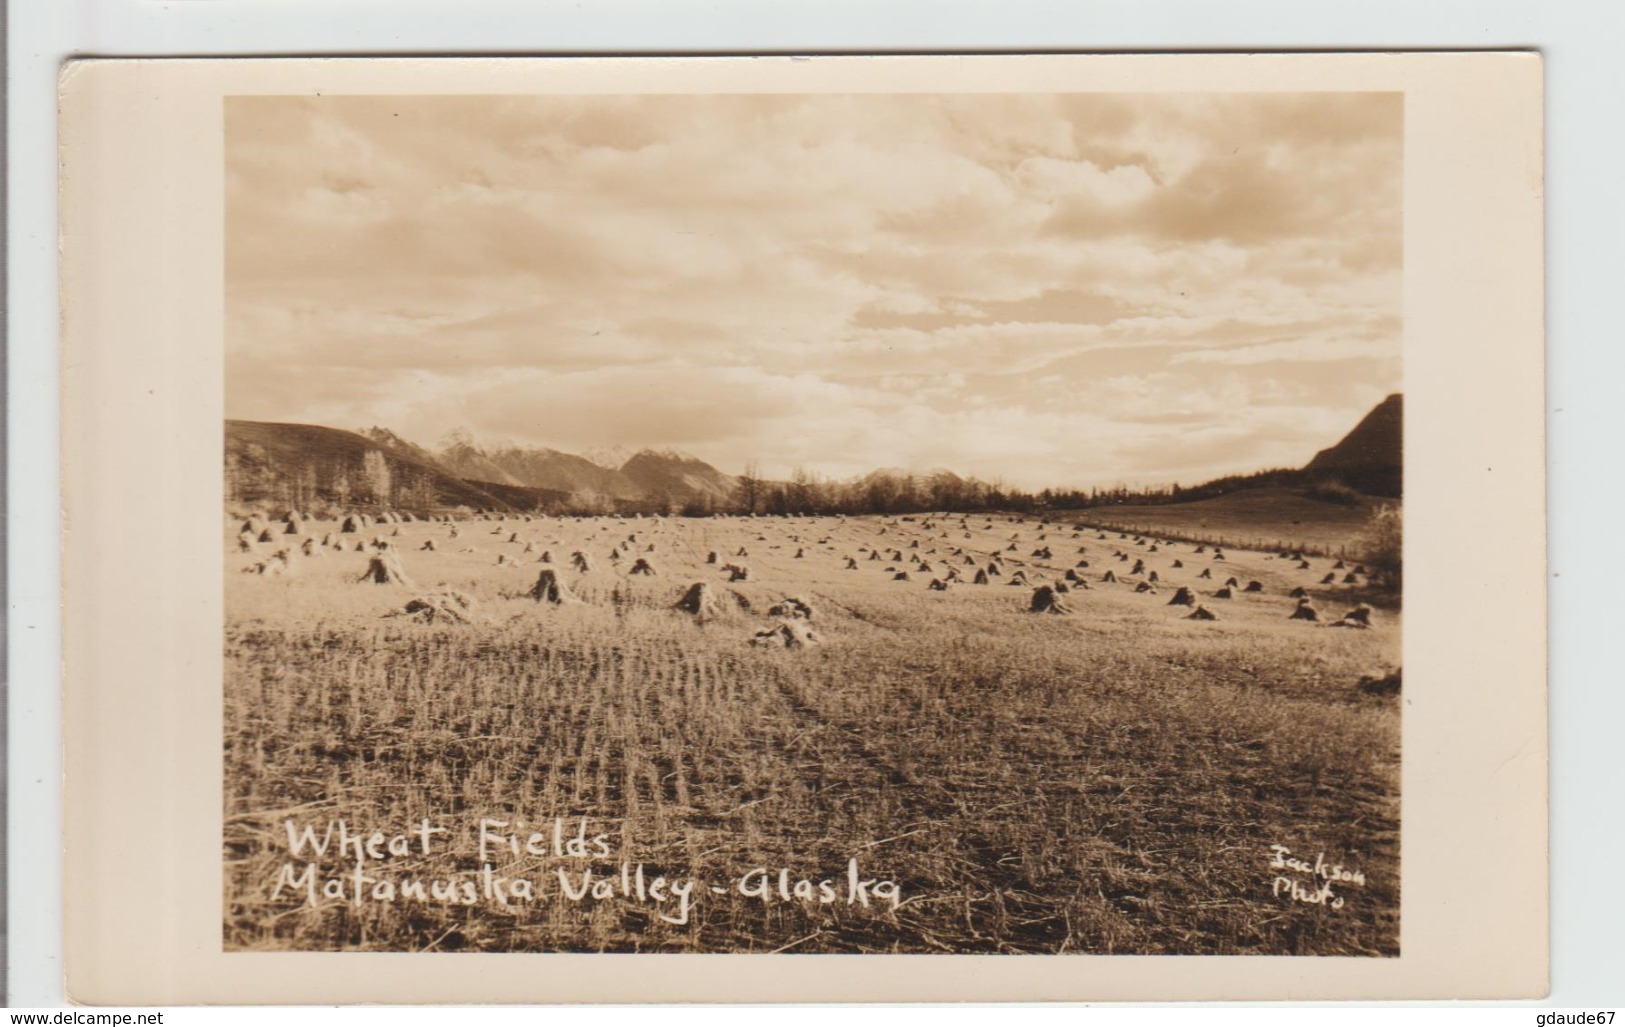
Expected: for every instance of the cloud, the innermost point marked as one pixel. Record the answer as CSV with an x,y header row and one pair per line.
x,y
1294,351
1056,289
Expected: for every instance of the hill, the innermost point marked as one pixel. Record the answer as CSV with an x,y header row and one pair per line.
x,y
1370,458
307,466
524,497
1367,462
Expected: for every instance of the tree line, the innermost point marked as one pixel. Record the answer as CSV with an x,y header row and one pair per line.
x,y
887,493
335,483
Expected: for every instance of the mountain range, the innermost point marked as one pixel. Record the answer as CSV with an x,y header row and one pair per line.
x,y
304,464
646,474
311,465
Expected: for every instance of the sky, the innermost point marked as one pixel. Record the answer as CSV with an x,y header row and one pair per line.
x,y
1065,290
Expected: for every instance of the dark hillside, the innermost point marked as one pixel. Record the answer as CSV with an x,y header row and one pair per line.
x,y
1370,458
309,467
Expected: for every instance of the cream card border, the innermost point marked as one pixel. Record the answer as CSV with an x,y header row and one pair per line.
x,y
141,449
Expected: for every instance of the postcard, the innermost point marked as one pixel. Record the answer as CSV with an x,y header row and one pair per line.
x,y
1013,528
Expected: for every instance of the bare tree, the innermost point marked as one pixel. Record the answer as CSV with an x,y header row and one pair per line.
x,y
375,476
748,491
590,502
801,494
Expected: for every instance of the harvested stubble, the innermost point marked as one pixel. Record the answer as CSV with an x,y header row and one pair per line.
x,y
1034,784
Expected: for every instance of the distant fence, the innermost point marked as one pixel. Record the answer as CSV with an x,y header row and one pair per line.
x,y
1261,544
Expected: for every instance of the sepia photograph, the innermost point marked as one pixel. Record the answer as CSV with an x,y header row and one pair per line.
x,y
914,522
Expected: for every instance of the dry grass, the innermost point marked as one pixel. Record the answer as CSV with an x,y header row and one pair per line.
x,y
1108,781
1267,518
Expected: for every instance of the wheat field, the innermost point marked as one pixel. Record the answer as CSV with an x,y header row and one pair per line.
x,y
943,772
